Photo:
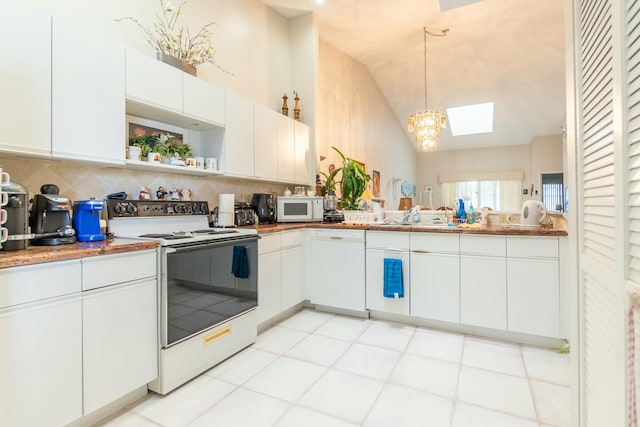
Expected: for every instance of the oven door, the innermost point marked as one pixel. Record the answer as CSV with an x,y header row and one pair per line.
x,y
206,284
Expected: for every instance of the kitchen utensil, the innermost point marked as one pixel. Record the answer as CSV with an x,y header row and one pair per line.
x,y
211,164
66,231
5,179
287,192
51,213
86,220
17,215
533,212
243,215
134,153
264,205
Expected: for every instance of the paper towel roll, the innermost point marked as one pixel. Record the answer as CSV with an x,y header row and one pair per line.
x,y
226,210
226,203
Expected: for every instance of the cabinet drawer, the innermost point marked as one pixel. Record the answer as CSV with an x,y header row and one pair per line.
x,y
20,285
435,242
538,246
388,239
291,238
109,270
269,243
483,245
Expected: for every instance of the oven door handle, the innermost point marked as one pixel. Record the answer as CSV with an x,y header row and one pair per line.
x,y
195,247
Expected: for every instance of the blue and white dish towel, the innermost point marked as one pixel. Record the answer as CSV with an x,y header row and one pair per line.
x,y
393,286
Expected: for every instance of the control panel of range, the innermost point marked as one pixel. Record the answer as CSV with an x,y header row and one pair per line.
x,y
154,208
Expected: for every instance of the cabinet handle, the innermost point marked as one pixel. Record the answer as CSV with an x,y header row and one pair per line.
x,y
335,238
417,251
216,336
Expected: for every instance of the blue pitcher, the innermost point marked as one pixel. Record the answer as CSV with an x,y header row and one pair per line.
x,y
461,213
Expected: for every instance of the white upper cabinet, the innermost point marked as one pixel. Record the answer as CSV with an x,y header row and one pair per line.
x,y
88,104
301,132
152,82
238,137
203,100
266,143
158,91
286,149
25,81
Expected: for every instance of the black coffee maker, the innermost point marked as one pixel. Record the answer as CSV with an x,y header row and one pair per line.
x,y
265,206
50,218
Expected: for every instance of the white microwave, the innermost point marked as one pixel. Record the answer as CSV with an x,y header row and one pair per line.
x,y
299,209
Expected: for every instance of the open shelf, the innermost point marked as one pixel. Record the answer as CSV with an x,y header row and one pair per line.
x,y
166,168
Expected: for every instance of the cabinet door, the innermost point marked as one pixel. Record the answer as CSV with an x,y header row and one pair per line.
x,y
41,363
435,286
375,282
25,80
88,103
120,341
286,149
238,137
266,143
293,279
301,134
269,286
152,82
483,291
533,297
203,100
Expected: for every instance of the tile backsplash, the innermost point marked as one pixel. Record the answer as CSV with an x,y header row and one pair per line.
x,y
80,181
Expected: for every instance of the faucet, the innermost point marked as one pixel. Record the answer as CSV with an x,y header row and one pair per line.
x,y
409,213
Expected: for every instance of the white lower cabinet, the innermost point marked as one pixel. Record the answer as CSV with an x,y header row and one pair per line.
x,y
41,352
435,286
483,291
120,344
381,245
269,277
281,273
533,286
66,352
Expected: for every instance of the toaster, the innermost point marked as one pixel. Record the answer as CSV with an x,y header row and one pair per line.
x,y
243,214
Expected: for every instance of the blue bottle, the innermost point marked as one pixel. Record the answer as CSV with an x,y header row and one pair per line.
x,y
461,213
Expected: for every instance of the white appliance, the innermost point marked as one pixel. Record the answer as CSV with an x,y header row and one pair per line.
x,y
532,214
208,289
300,209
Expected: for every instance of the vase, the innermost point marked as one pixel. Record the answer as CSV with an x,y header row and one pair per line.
x,y
177,62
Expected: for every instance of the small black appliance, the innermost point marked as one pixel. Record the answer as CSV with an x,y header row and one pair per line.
x,y
51,217
264,205
243,214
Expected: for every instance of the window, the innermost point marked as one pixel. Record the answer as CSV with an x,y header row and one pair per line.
x,y
553,192
499,195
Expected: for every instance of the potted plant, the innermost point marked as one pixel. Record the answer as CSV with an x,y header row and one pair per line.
x,y
171,147
353,182
146,143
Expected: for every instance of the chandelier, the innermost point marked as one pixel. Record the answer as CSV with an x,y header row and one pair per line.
x,y
428,123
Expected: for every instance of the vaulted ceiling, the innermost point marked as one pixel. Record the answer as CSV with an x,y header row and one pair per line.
x,y
510,52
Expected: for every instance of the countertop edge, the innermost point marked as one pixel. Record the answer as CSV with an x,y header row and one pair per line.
x,y
496,230
42,254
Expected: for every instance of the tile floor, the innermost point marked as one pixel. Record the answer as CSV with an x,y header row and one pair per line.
x,y
322,370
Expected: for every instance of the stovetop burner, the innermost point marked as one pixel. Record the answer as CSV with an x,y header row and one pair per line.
x,y
163,236
212,231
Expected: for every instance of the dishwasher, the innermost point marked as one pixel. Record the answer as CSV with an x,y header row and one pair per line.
x,y
337,269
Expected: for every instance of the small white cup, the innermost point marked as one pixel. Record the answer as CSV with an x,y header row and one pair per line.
x,y
211,164
4,234
4,178
3,216
154,158
200,162
134,153
4,198
191,162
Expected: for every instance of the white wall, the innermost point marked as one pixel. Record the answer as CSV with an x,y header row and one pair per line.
x,y
354,116
546,157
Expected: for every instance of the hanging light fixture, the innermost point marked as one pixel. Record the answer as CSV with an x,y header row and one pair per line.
x,y
428,123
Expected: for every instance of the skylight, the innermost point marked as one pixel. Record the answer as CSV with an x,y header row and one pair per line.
x,y
471,119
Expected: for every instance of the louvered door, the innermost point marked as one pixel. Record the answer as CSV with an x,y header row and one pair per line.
x,y
600,213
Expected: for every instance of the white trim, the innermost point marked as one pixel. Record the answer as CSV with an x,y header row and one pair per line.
x,y
481,176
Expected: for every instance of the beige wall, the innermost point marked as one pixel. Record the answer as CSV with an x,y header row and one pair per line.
x,y
543,154
354,116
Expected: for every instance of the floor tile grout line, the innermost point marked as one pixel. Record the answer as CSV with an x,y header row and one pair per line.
x,y
533,396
